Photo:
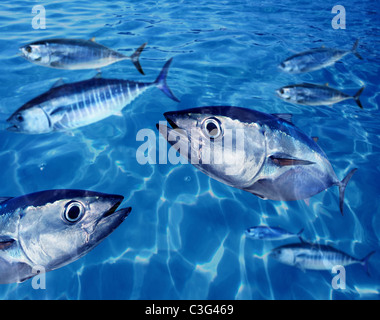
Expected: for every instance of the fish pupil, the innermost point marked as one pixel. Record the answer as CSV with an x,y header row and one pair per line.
x,y
20,118
212,128
28,49
73,213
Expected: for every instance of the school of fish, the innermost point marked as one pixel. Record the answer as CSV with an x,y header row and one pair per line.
x,y
262,153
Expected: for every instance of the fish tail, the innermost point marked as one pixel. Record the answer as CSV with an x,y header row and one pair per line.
x,y
353,50
342,188
299,235
161,81
356,97
364,261
135,58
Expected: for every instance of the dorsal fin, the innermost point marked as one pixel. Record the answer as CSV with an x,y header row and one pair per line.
x,y
3,199
284,116
58,83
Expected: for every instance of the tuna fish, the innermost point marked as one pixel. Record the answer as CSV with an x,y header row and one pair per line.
x,y
75,54
315,59
315,257
74,105
47,230
314,95
264,154
271,233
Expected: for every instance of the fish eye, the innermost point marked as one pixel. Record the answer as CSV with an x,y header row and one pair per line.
x,y
282,91
282,64
212,128
19,117
28,49
74,211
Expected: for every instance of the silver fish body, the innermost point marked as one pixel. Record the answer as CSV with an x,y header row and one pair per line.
x,y
315,257
271,233
74,105
50,229
309,94
75,54
315,59
253,151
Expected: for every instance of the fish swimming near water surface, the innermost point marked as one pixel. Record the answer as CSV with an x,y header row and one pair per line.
x,y
315,59
51,229
271,233
309,94
308,256
264,154
74,105
75,54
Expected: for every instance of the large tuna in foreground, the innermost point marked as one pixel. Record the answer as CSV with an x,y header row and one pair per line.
x,y
264,154
51,229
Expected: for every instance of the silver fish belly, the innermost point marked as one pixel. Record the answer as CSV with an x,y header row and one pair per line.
x,y
78,104
43,231
261,153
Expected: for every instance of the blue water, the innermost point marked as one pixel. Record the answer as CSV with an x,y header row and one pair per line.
x,y
185,236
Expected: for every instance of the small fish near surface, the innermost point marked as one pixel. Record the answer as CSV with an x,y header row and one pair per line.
x,y
309,94
74,105
271,233
50,229
308,256
264,154
315,59
75,54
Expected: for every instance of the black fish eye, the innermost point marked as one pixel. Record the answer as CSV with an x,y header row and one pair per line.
x,y
282,91
74,211
212,128
28,49
283,64
19,117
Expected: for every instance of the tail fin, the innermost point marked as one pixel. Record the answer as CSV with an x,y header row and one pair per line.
x,y
299,235
135,58
364,261
161,81
353,50
342,188
356,97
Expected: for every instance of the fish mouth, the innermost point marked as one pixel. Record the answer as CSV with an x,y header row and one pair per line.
x,y
13,127
123,213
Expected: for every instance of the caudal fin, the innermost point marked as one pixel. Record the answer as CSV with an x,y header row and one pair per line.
x,y
364,261
342,188
299,235
356,97
135,58
161,81
353,50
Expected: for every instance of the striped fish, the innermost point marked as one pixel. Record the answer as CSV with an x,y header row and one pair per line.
x,y
75,54
308,256
75,105
309,94
316,59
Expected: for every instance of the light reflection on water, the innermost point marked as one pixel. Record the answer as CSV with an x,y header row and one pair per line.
x,y
185,236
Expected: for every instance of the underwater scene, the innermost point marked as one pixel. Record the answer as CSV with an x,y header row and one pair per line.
x,y
189,150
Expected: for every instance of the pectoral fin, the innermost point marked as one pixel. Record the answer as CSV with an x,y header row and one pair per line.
x,y
282,161
6,243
